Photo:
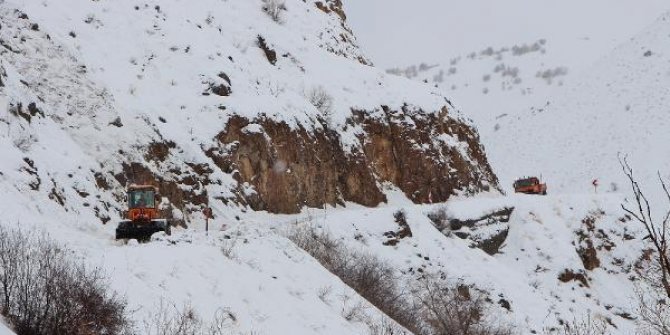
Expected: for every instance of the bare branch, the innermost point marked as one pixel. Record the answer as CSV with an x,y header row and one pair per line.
x,y
657,235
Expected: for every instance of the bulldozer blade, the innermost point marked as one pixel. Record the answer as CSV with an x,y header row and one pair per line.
x,y
141,231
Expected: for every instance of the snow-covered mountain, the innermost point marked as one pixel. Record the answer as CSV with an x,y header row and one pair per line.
x,y
153,91
494,83
547,106
274,118
235,105
394,33
618,106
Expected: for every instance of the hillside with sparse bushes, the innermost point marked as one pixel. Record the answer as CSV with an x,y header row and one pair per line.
x,y
344,199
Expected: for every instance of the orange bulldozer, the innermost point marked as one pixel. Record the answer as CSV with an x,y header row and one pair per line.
x,y
142,218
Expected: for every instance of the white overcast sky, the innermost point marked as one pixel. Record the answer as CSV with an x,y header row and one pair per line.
x,y
397,32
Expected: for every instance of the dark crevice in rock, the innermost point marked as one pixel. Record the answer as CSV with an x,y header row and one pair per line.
x,y
56,194
18,111
6,45
101,181
402,232
493,243
590,240
502,215
3,74
494,236
569,275
32,170
270,54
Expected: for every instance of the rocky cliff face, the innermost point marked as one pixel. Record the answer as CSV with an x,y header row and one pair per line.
x,y
275,117
290,168
411,150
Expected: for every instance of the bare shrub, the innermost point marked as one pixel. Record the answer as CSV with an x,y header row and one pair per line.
x,y
653,313
274,9
323,294
654,295
323,101
316,243
657,232
223,320
168,319
385,327
24,140
440,219
377,282
431,307
453,309
588,326
550,74
45,292
228,246
352,311
369,276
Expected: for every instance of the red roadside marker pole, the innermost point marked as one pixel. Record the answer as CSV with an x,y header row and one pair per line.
x,y
208,214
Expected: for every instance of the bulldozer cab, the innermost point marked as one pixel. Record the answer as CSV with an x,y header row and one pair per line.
x,y
141,198
142,218
142,203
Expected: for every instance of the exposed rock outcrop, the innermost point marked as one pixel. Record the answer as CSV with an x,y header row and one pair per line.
x,y
429,156
291,168
488,232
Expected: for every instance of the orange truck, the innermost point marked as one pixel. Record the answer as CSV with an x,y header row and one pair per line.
x,y
530,185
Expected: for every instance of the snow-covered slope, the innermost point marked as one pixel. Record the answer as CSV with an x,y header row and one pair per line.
x,y
495,83
96,95
618,106
496,58
542,118
564,259
167,95
563,105
103,93
4,330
